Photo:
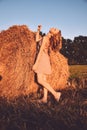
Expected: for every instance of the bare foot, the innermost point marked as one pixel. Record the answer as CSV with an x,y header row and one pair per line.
x,y
57,97
42,100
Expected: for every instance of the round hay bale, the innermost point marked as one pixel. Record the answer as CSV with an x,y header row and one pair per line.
x,y
60,71
17,55
17,52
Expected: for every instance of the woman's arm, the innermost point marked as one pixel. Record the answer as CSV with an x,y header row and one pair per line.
x,y
38,38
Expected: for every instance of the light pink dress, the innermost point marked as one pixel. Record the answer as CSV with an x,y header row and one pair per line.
x,y
44,65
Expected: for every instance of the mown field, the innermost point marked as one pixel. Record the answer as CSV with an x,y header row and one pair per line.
x,y
70,113
78,71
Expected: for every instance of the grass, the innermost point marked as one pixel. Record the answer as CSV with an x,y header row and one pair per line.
x,y
25,113
78,71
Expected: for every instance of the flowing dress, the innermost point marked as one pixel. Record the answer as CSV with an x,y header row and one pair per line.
x,y
44,65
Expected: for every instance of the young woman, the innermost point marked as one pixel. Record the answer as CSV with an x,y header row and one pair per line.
x,y
42,66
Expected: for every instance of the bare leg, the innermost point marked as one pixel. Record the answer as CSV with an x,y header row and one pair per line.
x,y
45,91
47,86
44,99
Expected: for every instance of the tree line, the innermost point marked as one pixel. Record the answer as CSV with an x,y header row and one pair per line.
x,y
75,50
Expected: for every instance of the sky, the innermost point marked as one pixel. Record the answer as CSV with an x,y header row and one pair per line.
x,y
70,16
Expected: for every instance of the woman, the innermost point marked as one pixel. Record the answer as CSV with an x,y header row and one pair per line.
x,y
42,66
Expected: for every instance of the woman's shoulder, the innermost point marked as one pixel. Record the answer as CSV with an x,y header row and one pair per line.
x,y
45,39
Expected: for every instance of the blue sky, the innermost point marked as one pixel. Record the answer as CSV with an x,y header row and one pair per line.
x,y
70,16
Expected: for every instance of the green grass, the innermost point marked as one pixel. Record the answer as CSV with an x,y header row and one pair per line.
x,y
78,71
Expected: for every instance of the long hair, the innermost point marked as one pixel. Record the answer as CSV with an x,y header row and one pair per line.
x,y
56,41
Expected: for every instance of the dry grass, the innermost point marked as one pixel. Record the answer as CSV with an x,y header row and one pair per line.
x,y
25,113
78,71
16,60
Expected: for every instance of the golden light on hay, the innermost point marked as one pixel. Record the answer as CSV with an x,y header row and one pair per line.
x,y
17,55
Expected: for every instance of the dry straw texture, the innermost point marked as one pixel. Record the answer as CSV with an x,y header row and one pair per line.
x,y
17,54
60,71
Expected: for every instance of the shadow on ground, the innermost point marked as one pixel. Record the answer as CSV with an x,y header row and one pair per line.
x,y
25,113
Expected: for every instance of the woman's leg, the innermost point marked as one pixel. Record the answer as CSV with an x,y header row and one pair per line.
x,y
47,86
45,91
44,99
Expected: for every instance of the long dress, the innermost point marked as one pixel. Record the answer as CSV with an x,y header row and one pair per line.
x,y
56,66
44,65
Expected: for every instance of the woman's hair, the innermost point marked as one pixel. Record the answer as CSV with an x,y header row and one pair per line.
x,y
56,41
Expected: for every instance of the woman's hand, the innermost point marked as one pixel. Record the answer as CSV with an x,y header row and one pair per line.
x,y
39,27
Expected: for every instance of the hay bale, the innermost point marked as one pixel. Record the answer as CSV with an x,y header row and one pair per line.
x,y
17,54
60,71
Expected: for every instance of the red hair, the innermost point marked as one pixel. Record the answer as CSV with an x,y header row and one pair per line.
x,y
56,41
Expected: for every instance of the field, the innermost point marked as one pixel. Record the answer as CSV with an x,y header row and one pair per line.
x,y
78,71
70,113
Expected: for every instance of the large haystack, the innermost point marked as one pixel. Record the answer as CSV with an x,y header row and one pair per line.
x,y
17,54
60,71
